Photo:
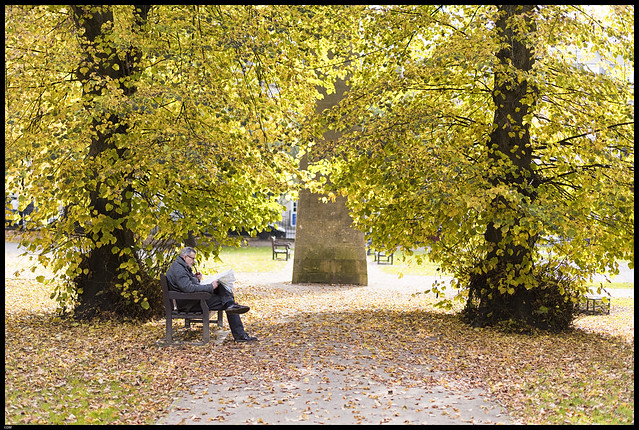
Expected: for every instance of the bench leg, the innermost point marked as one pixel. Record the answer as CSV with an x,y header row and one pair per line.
x,y
206,329
168,337
206,332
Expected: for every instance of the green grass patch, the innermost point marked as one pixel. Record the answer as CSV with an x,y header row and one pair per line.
x,y
580,401
612,285
417,264
80,405
243,259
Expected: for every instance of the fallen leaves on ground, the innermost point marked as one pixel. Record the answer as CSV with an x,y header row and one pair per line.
x,y
61,371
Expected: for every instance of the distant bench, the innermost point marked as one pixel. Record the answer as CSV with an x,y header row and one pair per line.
x,y
596,303
383,258
280,247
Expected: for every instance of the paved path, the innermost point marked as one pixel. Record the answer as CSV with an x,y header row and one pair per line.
x,y
323,395
331,397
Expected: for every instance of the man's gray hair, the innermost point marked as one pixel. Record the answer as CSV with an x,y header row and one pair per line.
x,y
187,251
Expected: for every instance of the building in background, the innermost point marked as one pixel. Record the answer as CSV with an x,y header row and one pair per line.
x,y
289,218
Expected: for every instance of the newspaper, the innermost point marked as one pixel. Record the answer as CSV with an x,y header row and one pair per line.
x,y
225,279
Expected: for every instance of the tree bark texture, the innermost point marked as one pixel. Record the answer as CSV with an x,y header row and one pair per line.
x,y
512,158
98,292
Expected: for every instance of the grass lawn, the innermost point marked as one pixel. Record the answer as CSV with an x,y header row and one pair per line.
x,y
105,372
244,259
418,264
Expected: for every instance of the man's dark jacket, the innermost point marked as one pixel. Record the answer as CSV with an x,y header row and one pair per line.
x,y
181,278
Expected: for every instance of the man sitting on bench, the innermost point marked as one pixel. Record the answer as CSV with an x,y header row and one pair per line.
x,y
181,278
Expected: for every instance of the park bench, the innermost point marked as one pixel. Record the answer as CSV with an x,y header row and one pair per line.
x,y
280,247
380,256
172,312
383,258
594,304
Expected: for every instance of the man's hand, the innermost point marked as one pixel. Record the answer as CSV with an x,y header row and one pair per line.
x,y
214,284
198,275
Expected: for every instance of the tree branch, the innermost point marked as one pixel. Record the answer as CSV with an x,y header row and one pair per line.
x,y
565,142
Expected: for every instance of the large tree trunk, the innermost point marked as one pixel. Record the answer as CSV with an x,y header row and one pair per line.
x,y
511,153
101,263
327,248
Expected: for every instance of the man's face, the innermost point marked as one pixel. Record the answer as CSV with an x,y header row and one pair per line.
x,y
190,259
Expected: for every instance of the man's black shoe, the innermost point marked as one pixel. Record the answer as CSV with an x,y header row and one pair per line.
x,y
237,309
246,338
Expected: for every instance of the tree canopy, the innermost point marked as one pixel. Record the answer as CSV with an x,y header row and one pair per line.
x,y
126,123
483,126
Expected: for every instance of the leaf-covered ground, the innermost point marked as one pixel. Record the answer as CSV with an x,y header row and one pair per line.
x,y
60,371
